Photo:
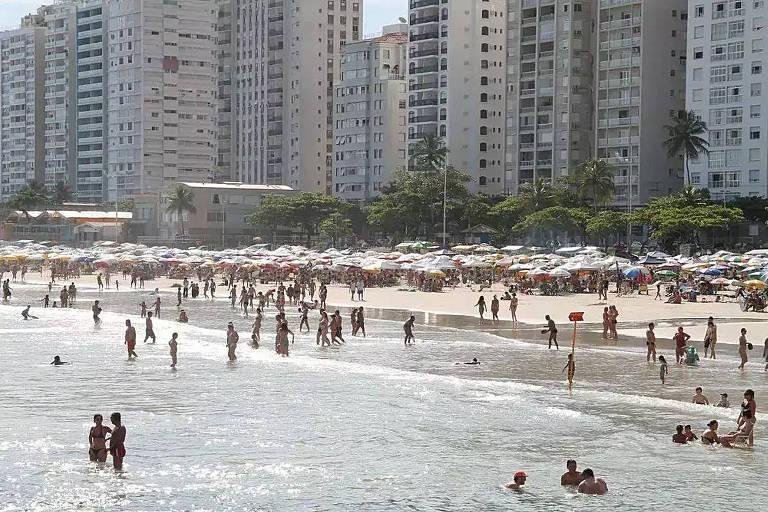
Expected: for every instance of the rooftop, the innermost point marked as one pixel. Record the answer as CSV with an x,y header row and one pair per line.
x,y
77,214
239,186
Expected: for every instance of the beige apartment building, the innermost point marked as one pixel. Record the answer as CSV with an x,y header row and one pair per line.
x,y
550,89
286,59
161,93
457,78
640,70
369,135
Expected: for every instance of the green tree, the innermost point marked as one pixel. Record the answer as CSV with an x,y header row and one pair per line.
x,y
270,214
336,227
475,210
607,224
61,193
181,201
692,196
685,135
593,179
31,196
429,154
553,220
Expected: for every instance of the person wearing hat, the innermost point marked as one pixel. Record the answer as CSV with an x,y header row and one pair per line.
x,y
518,481
723,401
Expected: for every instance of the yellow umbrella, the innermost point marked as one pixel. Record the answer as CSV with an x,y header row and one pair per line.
x,y
754,283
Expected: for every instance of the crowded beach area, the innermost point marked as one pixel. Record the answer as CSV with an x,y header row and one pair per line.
x,y
415,378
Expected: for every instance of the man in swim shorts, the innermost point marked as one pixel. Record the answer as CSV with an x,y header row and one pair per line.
x,y
572,476
117,441
518,481
130,339
592,485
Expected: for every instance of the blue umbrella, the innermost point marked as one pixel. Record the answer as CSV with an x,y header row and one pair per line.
x,y
633,272
712,271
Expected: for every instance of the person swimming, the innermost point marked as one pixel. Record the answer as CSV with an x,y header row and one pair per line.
x,y
473,362
518,481
57,361
183,318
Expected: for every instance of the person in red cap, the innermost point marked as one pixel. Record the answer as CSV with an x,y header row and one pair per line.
x,y
518,481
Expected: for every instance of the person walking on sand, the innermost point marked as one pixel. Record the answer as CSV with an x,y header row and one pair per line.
x,y
408,328
173,344
117,441
232,339
663,369
710,338
571,367
130,339
97,440
650,341
481,306
495,308
149,332
552,330
606,322
680,338
743,345
513,302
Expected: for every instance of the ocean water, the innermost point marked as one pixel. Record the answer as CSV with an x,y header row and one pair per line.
x,y
369,426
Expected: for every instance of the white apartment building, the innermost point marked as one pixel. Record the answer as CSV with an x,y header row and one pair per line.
x,y
285,62
726,44
224,146
91,65
457,84
161,94
550,89
22,143
640,69
369,115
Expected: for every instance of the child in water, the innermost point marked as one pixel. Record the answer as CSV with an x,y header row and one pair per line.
x,y
664,369
571,367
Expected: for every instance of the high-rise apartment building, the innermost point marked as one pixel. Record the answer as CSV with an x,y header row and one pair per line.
x,y
285,62
369,115
726,43
457,84
225,65
161,94
22,88
550,89
640,70
91,119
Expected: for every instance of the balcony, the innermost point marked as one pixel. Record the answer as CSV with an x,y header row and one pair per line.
x,y
423,69
430,52
617,24
426,102
617,63
424,20
422,86
422,119
418,4
425,36
619,82
620,102
620,43
526,164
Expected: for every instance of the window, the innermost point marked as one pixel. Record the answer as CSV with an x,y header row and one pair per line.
x,y
698,32
754,133
758,23
716,159
697,73
719,31
756,90
735,29
698,53
698,11
757,46
483,181
695,178
754,176
697,94
757,68
716,180
754,154
754,112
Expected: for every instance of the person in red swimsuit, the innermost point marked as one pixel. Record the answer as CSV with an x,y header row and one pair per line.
x,y
117,441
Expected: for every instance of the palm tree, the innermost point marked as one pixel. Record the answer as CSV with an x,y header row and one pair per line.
x,y
29,197
537,195
430,153
685,136
61,193
595,178
182,200
693,196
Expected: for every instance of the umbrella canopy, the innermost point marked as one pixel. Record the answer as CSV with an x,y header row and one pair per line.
x,y
754,283
634,272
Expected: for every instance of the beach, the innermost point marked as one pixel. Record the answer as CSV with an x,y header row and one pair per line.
x,y
370,425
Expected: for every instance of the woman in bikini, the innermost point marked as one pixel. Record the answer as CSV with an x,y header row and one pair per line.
x,y
97,440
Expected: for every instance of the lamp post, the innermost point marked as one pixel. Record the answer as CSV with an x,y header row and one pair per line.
x,y
445,203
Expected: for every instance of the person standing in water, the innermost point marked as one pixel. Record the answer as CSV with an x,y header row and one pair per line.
x,y
495,308
680,338
256,328
97,440
360,325
117,441
149,331
552,330
572,477
408,328
710,338
96,309
282,336
481,307
304,317
173,344
157,307
591,485
322,330
650,341
232,339
743,348
663,369
178,297
130,339
571,367
143,306
513,302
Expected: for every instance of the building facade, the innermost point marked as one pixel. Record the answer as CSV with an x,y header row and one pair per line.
x,y
726,41
22,90
370,115
161,94
640,69
550,89
285,62
457,84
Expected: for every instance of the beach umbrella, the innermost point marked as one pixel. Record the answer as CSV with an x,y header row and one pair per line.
x,y
721,281
754,283
633,272
665,273
712,271
560,272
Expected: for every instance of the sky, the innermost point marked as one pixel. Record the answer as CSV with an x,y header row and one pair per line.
x,y
376,13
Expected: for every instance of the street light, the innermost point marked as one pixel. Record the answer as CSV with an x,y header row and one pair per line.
x,y
445,203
